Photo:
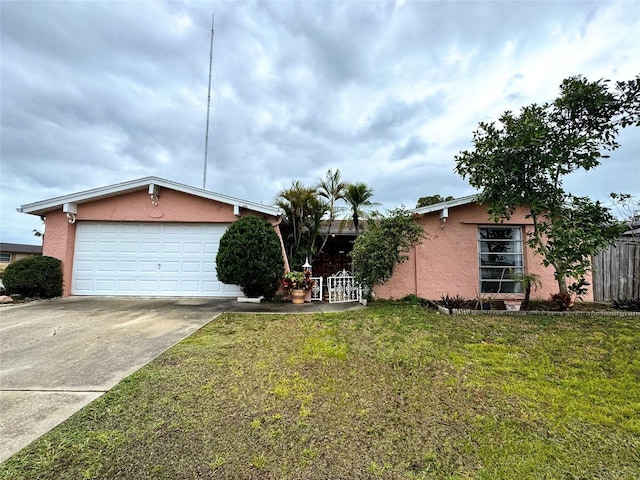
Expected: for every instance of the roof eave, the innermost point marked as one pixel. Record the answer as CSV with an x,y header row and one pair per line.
x,y
44,206
437,207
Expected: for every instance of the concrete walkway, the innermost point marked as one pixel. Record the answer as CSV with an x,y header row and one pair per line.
x,y
56,356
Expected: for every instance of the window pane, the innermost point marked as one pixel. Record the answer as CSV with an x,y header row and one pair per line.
x,y
495,260
5,257
500,246
488,233
500,255
500,287
497,273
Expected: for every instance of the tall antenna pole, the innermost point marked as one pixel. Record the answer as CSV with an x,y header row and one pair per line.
x,y
206,138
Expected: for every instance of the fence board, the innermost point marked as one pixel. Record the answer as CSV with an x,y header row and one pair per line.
x,y
616,271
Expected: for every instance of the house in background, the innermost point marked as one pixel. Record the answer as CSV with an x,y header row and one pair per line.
x,y
10,252
145,237
471,256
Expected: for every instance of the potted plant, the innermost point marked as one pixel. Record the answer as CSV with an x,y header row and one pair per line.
x,y
298,283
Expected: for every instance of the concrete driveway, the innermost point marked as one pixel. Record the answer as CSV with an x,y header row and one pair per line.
x,y
56,356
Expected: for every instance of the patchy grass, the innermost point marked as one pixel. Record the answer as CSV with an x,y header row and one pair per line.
x,y
393,391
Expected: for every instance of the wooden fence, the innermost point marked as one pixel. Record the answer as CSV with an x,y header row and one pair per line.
x,y
616,271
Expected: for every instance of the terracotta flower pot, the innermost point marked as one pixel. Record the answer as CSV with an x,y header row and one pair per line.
x,y
513,305
297,296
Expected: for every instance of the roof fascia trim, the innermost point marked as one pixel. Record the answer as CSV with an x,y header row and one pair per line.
x,y
37,208
437,207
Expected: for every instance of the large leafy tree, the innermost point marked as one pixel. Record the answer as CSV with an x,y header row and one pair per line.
x,y
385,243
521,161
358,197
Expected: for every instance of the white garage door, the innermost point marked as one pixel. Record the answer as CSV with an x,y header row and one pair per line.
x,y
148,259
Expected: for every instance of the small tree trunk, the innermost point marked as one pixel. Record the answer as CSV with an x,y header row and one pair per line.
x,y
562,285
527,296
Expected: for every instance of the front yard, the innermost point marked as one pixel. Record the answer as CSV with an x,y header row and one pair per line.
x,y
393,391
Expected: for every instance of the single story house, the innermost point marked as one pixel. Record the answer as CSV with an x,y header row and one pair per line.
x,y
469,255
10,252
155,237
144,237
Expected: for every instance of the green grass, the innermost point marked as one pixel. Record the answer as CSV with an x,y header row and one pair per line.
x,y
391,392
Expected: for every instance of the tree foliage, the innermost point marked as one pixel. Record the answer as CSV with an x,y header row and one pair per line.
x,y
37,276
332,189
302,213
250,255
358,197
305,209
521,161
385,243
432,200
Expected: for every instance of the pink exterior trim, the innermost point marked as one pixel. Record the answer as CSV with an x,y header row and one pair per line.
x,y
173,206
447,263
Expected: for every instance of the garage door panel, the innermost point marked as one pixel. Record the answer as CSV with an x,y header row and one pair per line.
x,y
213,286
128,247
103,285
192,267
126,286
174,248
107,247
168,286
83,285
108,267
85,247
114,258
169,267
127,267
192,247
84,266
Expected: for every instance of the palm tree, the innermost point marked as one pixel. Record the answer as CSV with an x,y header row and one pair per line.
x,y
357,196
333,189
302,216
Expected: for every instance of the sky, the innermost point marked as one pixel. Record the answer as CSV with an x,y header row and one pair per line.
x,y
96,93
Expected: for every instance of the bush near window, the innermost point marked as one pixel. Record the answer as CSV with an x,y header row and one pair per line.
x,y
38,276
386,242
250,255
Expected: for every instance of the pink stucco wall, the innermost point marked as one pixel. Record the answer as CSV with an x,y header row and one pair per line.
x,y
173,206
447,262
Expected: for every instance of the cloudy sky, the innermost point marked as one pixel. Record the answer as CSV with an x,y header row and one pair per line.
x,y
95,93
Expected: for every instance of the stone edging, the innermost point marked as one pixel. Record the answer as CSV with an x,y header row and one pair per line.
x,y
525,313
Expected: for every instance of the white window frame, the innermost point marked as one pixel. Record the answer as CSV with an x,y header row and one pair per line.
x,y
505,283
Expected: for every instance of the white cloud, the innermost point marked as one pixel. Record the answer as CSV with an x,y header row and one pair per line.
x,y
387,92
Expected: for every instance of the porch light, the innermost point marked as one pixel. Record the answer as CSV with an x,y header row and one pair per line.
x,y
71,209
306,265
154,192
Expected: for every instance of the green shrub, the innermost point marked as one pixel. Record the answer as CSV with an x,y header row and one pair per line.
x,y
386,242
38,276
628,304
250,255
452,302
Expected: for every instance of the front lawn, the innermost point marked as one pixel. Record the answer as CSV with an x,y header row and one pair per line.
x,y
392,391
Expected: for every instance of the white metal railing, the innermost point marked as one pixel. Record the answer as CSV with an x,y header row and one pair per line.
x,y
343,287
316,290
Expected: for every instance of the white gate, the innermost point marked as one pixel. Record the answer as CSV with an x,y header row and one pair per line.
x,y
343,288
316,290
